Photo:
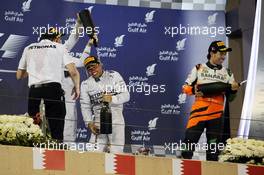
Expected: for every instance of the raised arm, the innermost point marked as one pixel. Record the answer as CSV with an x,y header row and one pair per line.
x,y
74,36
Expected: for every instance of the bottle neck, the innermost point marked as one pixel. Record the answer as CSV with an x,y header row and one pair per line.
x,y
105,103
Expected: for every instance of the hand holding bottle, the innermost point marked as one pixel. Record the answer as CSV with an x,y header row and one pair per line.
x,y
94,129
107,98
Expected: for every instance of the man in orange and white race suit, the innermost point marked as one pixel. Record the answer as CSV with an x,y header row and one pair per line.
x,y
207,110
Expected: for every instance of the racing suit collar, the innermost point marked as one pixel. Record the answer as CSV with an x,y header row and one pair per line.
x,y
215,67
98,78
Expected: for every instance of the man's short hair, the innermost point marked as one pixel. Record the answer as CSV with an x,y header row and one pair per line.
x,y
51,34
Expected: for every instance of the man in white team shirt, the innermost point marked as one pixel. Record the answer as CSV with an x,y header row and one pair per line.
x,y
44,63
108,86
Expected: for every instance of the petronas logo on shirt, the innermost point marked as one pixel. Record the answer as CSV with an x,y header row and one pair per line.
x,y
43,47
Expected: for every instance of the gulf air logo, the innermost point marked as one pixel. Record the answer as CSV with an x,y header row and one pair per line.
x,y
152,123
182,98
150,70
26,5
149,16
212,19
12,45
119,41
180,44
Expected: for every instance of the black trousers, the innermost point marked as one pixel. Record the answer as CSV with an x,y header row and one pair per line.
x,y
213,135
55,110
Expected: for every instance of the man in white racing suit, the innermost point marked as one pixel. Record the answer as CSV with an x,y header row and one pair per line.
x,y
208,108
107,86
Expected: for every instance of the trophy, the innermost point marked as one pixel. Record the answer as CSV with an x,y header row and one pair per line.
x,y
87,21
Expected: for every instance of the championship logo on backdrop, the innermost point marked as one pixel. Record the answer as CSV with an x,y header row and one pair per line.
x,y
12,45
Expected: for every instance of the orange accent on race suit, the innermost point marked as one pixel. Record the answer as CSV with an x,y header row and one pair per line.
x,y
206,108
187,89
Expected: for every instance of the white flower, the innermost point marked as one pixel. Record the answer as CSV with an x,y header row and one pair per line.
x,y
237,148
14,129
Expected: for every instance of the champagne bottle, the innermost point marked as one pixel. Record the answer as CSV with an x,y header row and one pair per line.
x,y
105,119
214,88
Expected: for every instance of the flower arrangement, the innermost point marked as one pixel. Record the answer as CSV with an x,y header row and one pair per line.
x,y
143,151
241,150
19,130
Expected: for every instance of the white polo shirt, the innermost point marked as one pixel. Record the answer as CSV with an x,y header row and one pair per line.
x,y
44,61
